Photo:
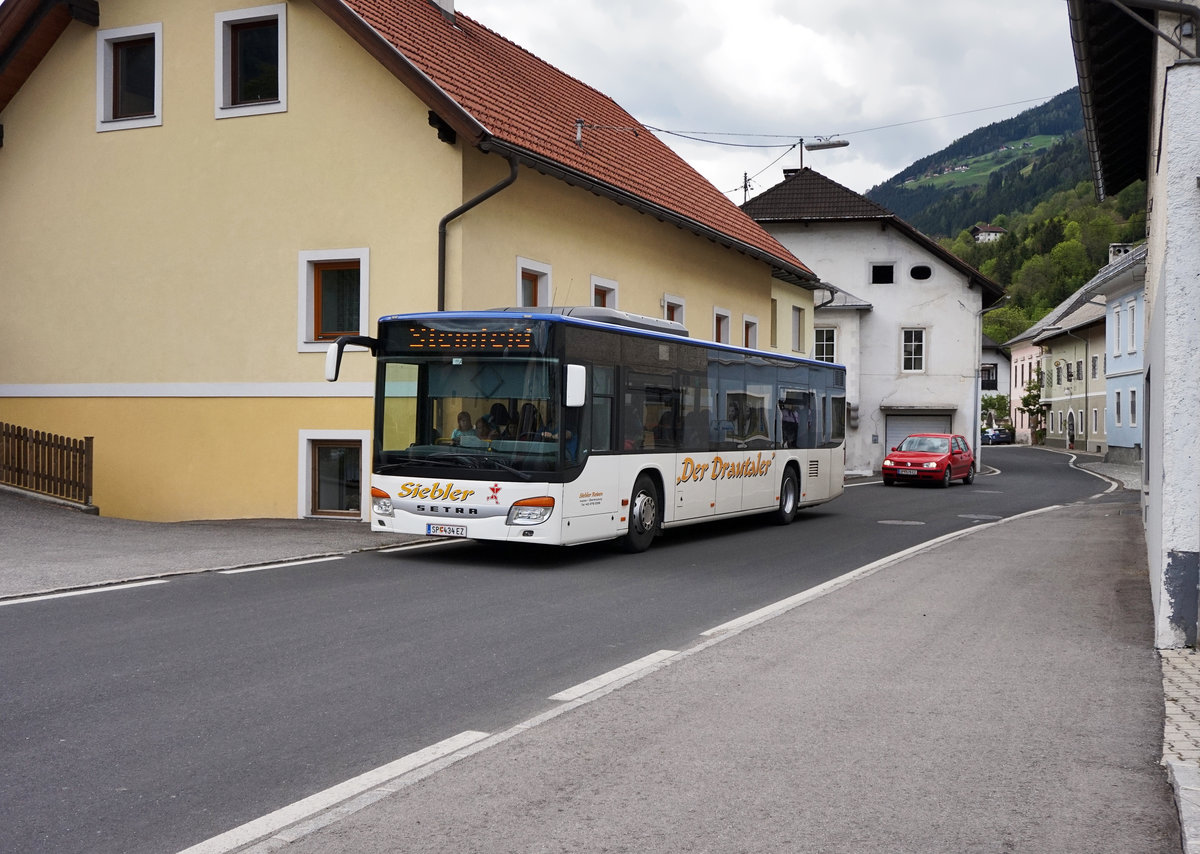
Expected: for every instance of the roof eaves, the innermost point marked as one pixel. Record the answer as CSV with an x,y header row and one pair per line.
x,y
436,98
781,269
28,29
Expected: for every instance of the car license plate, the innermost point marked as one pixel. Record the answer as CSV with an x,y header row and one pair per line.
x,y
906,471
446,530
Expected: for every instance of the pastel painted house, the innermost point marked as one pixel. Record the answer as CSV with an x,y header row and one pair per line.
x,y
198,196
907,320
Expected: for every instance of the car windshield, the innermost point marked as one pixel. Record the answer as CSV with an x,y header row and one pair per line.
x,y
925,444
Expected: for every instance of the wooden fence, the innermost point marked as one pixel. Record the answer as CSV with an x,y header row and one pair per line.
x,y
46,463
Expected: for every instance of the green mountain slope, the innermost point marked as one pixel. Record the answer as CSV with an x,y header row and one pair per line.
x,y
1003,168
1029,175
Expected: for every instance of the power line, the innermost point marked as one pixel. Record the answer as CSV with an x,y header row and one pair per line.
x,y
698,135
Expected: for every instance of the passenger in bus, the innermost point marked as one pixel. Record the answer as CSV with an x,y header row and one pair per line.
x,y
464,428
635,430
529,422
665,434
484,431
501,421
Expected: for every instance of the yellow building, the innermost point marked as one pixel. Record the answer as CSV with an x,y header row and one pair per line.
x,y
196,197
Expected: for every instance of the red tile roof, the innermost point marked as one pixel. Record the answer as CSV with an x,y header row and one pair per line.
x,y
520,104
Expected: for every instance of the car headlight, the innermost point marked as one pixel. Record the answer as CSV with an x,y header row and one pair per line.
x,y
888,462
531,511
929,465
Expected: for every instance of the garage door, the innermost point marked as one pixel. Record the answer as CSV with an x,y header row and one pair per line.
x,y
899,426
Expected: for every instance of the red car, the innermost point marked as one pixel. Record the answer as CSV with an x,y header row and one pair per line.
x,y
940,457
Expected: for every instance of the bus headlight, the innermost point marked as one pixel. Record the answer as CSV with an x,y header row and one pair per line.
x,y
531,511
381,502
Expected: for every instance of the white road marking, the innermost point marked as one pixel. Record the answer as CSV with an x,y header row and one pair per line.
x,y
585,688
44,596
279,565
271,823
862,572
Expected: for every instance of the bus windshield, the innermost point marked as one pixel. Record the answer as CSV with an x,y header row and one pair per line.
x,y
496,414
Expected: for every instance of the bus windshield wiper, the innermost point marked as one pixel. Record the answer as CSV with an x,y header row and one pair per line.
x,y
478,461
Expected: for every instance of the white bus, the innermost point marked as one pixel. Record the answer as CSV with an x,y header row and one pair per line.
x,y
573,425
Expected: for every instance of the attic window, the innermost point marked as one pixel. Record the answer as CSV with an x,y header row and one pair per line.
x,y
129,77
883,274
921,272
251,61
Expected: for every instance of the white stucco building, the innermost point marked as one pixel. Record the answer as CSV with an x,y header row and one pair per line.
x,y
907,323
1139,79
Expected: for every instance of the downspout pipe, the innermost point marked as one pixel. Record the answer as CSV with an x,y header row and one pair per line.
x,y
455,214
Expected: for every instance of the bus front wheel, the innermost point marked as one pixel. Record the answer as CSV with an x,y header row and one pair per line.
x,y
789,498
644,519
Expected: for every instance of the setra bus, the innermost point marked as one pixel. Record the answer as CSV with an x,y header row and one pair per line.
x,y
574,425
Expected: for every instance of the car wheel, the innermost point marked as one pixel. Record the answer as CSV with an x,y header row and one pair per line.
x,y
643,516
947,476
789,498
970,478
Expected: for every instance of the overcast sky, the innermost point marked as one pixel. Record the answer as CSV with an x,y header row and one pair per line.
x,y
887,75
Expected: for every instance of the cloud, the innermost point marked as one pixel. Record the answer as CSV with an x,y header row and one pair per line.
x,y
887,74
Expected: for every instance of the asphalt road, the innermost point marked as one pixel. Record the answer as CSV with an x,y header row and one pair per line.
x,y
153,718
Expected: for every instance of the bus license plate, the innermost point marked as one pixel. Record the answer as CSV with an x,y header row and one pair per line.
x,y
446,530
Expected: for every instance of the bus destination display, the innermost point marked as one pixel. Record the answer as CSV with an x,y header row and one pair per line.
x,y
428,339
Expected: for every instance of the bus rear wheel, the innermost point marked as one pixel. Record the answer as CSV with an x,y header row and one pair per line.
x,y
644,519
789,498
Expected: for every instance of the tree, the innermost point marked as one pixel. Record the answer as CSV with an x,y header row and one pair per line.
x,y
1031,405
994,408
1006,323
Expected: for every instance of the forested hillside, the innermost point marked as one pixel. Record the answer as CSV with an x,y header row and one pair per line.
x,y
1029,175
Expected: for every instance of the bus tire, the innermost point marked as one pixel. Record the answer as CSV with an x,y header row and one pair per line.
x,y
789,498
644,509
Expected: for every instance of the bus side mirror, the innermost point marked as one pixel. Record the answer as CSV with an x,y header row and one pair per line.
x,y
576,390
333,356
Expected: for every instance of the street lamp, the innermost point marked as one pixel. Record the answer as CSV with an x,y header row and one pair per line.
x,y
820,144
1086,369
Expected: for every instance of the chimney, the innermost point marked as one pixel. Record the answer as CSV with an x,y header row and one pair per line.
x,y
1116,250
789,172
446,7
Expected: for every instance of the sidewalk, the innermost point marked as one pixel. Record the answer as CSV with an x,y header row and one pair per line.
x,y
943,702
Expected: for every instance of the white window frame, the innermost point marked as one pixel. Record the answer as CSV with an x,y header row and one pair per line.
x,y
721,314
305,331
223,107
543,273
679,303
816,343
1117,407
924,349
750,331
1133,407
1131,346
1116,347
105,39
609,286
304,483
